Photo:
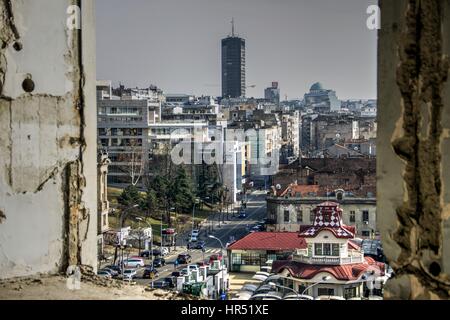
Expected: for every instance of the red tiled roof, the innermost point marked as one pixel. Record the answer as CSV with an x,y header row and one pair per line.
x,y
345,272
269,241
294,189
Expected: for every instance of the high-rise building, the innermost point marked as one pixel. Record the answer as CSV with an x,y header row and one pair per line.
x,y
272,93
233,66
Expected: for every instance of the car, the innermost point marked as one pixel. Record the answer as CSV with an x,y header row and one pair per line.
x,y
155,252
160,284
192,267
114,273
203,264
134,262
104,274
159,262
150,273
172,281
193,239
184,272
184,258
129,274
114,267
196,245
195,233
169,231
176,274
242,215
145,254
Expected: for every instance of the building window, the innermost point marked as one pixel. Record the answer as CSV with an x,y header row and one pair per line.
x,y
366,233
352,216
325,292
327,249
350,293
300,216
286,215
326,217
318,249
335,249
365,215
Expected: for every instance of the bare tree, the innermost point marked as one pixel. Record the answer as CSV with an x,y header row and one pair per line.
x,y
134,160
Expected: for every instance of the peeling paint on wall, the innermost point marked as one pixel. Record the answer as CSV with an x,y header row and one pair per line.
x,y
47,107
420,78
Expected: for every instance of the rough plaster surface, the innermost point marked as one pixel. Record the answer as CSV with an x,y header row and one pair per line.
x,y
47,185
412,143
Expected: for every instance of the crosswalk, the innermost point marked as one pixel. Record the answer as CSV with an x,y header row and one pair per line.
x,y
208,250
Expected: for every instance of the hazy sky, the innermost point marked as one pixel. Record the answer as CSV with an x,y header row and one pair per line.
x,y
175,44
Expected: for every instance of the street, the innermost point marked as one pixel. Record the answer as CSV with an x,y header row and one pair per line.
x,y
235,227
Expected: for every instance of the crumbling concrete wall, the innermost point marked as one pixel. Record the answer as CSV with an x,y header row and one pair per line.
x,y
48,179
413,165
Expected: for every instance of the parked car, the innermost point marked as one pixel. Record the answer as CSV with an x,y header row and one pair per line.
x,y
168,231
114,267
242,214
192,267
215,257
150,273
160,284
104,273
114,273
184,258
203,263
184,272
145,254
159,262
172,281
134,263
176,274
155,252
129,274
195,233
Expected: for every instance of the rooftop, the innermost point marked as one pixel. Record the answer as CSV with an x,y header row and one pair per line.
x,y
269,241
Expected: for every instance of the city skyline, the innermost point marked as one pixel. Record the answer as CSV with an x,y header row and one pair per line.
x,y
176,45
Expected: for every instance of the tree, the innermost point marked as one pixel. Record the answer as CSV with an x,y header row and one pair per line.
x,y
129,196
150,201
134,160
182,194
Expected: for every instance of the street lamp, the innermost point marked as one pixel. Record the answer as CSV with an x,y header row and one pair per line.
x,y
223,258
324,279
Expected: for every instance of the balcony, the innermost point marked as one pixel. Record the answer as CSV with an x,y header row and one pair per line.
x,y
353,258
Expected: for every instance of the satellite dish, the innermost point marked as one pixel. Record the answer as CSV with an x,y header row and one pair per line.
x,y
278,186
338,135
355,148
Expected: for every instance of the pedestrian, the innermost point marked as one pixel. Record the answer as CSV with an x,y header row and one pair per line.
x,y
175,264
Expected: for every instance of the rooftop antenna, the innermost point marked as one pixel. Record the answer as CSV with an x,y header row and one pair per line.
x,y
232,27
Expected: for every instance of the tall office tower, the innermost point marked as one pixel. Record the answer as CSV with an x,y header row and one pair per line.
x,y
233,66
